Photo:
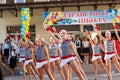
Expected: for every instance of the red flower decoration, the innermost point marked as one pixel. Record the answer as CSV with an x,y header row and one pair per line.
x,y
97,28
49,29
57,31
28,35
9,36
18,36
88,32
116,26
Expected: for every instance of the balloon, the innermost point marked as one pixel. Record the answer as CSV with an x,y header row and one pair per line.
x,y
23,36
25,18
22,9
22,19
26,31
27,24
27,9
22,15
23,26
24,22
21,33
27,28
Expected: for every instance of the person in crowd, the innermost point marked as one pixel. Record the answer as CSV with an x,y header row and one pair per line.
x,y
78,44
55,54
96,58
110,50
1,49
78,62
12,60
68,51
25,52
86,46
6,50
117,41
42,59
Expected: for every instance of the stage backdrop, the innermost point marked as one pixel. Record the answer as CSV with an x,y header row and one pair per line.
x,y
81,17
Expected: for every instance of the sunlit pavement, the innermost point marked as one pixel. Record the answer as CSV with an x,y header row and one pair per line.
x,y
87,68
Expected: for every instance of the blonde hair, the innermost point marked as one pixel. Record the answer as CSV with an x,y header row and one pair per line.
x,y
107,32
63,31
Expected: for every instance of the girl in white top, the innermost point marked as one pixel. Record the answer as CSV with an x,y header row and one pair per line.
x,y
118,37
12,60
67,54
96,57
110,50
78,62
55,56
85,45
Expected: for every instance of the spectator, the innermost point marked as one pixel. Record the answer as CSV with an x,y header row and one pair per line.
x,y
6,51
1,49
85,45
12,60
78,46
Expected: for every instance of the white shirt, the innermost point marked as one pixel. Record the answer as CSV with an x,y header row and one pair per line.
x,y
85,44
13,53
78,43
5,46
14,45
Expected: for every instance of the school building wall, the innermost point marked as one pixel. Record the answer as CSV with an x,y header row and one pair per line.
x,y
37,19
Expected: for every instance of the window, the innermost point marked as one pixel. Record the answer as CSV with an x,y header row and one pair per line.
x,y
88,27
13,29
68,27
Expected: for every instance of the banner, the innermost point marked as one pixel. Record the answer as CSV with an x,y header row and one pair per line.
x,y
81,17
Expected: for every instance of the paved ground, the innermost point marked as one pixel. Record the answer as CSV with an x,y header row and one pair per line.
x,y
87,68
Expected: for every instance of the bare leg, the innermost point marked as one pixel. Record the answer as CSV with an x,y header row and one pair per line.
x,y
70,73
41,73
54,69
33,72
29,71
115,60
103,66
23,70
60,69
95,63
34,68
47,69
12,72
81,70
76,69
66,71
109,68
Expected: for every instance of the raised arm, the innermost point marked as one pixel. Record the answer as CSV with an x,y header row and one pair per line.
x,y
59,51
75,51
116,32
46,53
44,41
31,43
97,29
89,37
101,47
49,30
115,47
56,32
14,41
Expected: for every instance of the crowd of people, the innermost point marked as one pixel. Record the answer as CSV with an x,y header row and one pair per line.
x,y
64,53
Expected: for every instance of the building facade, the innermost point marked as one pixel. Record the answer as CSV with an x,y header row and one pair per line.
x,y
9,20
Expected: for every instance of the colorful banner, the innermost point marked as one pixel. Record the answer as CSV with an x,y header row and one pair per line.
x,y
82,17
